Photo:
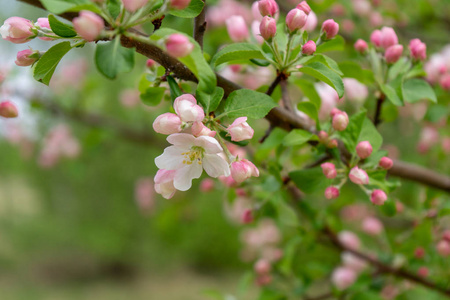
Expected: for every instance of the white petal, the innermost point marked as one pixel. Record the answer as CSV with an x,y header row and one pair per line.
x,y
215,165
183,140
171,159
184,176
210,144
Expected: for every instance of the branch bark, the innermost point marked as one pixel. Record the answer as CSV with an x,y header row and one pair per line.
x,y
200,26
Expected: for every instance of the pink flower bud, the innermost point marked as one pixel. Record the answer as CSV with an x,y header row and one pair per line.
x,y
187,109
268,7
446,235
343,278
228,181
323,136
388,37
207,185
331,192
418,49
164,183
262,267
239,130
358,176
311,22
309,48
349,240
43,23
243,169
199,129
378,197
386,163
144,194
256,32
150,63
296,19
334,112
88,25
237,28
330,28
353,262
178,45
445,82
255,12
304,7
329,170
364,149
340,121
17,30
134,5
180,4
419,253
443,248
372,226
264,280
268,28
423,272
393,54
247,216
332,144
361,46
24,59
167,123
375,38
8,110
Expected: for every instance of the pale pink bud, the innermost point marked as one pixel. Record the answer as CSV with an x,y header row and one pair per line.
x,y
8,110
43,23
311,22
332,143
309,48
446,235
178,45
355,91
268,28
358,176
88,25
445,82
372,226
331,192
343,278
376,19
167,123
207,185
443,248
418,49
304,7
199,129
180,4
419,253
329,170
330,28
334,112
164,183
243,169
364,149
340,121
228,181
247,216
130,97
150,63
323,136
353,262
378,197
386,163
17,30
144,193
237,28
268,7
375,38
423,272
296,19
349,240
187,109
262,267
239,130
361,46
255,11
388,37
393,53
256,32
134,5
24,59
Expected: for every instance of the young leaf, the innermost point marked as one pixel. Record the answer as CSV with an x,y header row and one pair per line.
x,y
175,90
153,96
309,180
297,137
309,91
60,6
210,102
111,58
336,44
234,52
194,8
417,89
46,65
61,29
391,94
354,70
322,72
248,103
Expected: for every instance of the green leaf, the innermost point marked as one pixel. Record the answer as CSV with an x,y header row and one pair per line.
x,y
391,94
46,65
210,102
194,9
353,70
114,7
322,72
309,180
153,96
111,58
366,295
61,29
60,6
399,68
286,213
248,103
309,91
388,208
336,44
417,89
297,137
175,90
235,52
311,110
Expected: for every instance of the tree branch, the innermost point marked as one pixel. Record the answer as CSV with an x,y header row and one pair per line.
x,y
377,117
287,103
200,26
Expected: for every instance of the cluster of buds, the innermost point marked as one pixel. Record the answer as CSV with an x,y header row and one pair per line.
x,y
195,148
438,68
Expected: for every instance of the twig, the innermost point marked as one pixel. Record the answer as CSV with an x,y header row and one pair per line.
x,y
200,26
274,85
377,117
286,100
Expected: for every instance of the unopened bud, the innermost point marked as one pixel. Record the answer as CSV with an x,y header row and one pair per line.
x,y
332,144
419,253
207,185
386,163
239,130
393,53
364,149
329,170
187,108
243,169
237,28
178,45
445,82
378,197
268,28
247,216
343,278
17,30
349,240
304,7
134,5
167,123
323,137
268,7
340,121
372,226
361,46
8,110
330,28
418,49
331,192
296,19
388,37
423,272
150,63
88,25
443,248
262,266
358,176
26,57
309,48
375,38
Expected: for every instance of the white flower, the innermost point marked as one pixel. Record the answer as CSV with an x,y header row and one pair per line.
x,y
189,156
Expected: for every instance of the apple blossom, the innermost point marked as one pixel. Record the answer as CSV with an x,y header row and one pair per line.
x,y
167,123
178,45
268,28
309,48
198,129
340,121
239,130
364,149
388,37
88,25
331,192
296,19
164,183
329,170
358,176
375,38
8,110
418,49
17,30
187,109
343,277
268,7
330,28
386,163
189,156
237,28
378,197
26,57
393,53
243,169
361,46
304,6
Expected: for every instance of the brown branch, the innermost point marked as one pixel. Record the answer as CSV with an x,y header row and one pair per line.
x,y
377,117
200,26
286,100
385,268
274,85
